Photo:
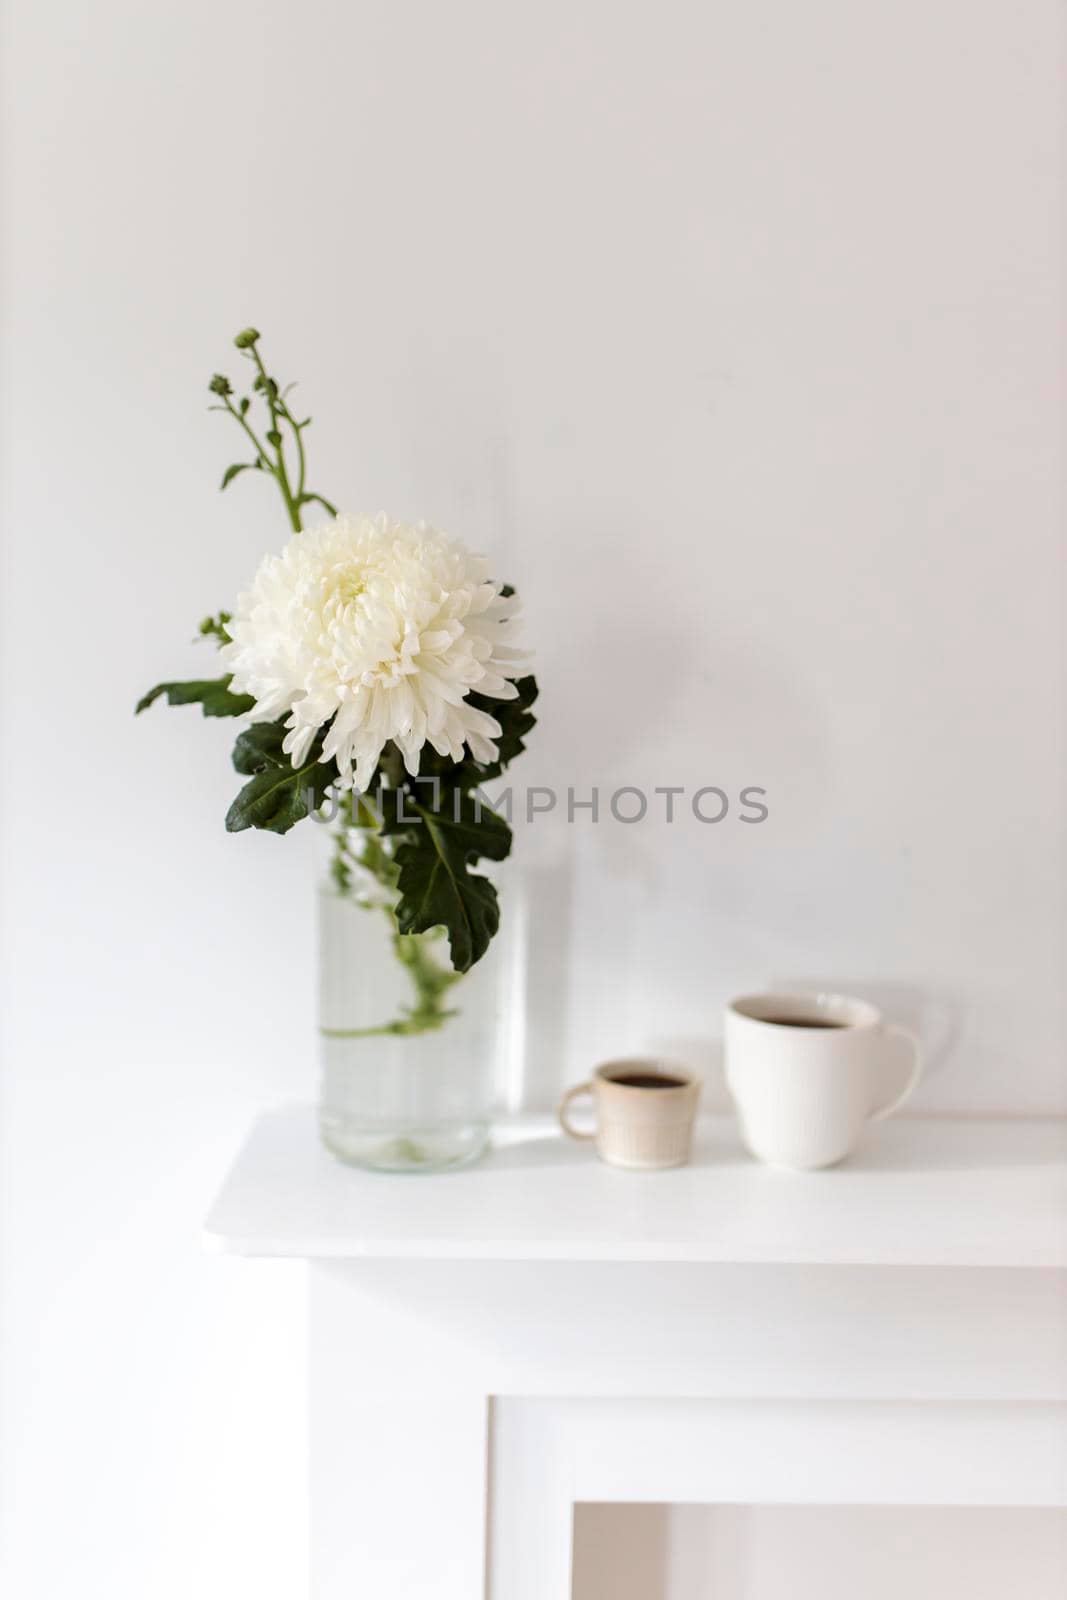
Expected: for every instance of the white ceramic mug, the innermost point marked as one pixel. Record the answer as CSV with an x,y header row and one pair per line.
x,y
807,1072
644,1113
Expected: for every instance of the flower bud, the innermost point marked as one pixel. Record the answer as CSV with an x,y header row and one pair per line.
x,y
246,338
220,385
215,627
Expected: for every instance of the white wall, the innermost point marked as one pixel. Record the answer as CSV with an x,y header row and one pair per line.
x,y
729,330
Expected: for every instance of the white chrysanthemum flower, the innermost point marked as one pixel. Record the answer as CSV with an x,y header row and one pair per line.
x,y
382,630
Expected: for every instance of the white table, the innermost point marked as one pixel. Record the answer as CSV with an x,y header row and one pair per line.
x,y
492,1346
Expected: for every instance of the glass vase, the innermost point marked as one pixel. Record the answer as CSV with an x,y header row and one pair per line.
x,y
412,1054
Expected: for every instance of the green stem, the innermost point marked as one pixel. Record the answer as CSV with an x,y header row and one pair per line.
x,y
295,494
292,503
430,980
301,464
264,460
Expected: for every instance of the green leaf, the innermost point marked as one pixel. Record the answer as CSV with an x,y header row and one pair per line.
x,y
212,694
468,828
515,721
309,499
437,887
276,798
238,466
437,890
260,746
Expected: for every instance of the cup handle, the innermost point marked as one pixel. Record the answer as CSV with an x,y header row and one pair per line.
x,y
893,1030
564,1106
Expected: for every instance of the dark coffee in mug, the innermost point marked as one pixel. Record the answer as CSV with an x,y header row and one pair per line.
x,y
803,1022
646,1080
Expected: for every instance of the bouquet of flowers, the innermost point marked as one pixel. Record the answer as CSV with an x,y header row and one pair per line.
x,y
371,662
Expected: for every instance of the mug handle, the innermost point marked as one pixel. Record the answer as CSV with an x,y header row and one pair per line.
x,y
893,1030
561,1111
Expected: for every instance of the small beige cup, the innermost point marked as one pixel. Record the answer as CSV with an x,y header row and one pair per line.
x,y
644,1113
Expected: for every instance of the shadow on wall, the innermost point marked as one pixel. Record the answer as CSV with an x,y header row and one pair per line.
x,y
720,707
660,1552
548,892
625,1557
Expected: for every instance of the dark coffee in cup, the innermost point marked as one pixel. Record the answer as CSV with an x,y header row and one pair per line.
x,y
646,1080
803,1022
